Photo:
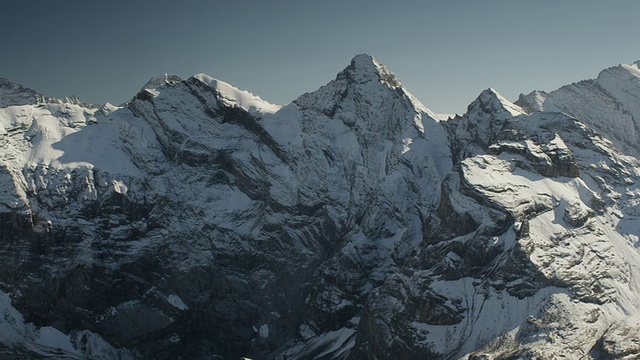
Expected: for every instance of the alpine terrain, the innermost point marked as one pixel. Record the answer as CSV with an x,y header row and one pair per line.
x,y
198,221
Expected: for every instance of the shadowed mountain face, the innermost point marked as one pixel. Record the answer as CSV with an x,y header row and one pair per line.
x,y
199,220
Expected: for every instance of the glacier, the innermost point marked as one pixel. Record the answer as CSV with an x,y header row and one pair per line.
x,y
200,221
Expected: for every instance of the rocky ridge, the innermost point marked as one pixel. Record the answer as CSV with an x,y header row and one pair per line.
x,y
349,224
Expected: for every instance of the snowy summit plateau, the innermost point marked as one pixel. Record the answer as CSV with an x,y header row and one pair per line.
x,y
198,221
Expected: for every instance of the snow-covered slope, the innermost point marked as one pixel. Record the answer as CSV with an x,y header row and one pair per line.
x,y
21,340
610,104
566,194
200,221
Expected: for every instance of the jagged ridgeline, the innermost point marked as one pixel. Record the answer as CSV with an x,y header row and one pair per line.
x,y
198,221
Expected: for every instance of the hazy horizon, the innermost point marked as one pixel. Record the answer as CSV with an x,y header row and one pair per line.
x,y
444,52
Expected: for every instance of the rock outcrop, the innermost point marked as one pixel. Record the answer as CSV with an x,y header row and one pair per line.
x,y
199,221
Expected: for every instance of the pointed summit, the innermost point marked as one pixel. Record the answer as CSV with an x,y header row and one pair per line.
x,y
364,78
491,102
364,68
476,130
534,101
364,61
619,74
16,94
633,69
155,82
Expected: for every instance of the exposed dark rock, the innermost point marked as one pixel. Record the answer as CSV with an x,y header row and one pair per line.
x,y
350,225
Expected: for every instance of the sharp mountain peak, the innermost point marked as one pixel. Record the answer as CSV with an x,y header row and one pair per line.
x,y
491,101
344,226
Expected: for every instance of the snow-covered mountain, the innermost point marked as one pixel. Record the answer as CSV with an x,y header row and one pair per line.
x,y
199,221
608,103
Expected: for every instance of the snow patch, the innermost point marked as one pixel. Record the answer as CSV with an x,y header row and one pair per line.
x,y
51,337
330,345
158,81
233,96
177,302
264,331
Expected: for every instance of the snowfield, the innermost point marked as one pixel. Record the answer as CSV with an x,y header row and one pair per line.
x,y
200,221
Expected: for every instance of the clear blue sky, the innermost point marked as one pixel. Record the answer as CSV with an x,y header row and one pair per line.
x,y
445,52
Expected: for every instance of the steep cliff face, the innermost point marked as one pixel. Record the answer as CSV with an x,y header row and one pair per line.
x,y
200,220
13,94
569,245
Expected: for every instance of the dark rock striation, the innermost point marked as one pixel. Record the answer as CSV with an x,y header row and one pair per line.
x,y
199,221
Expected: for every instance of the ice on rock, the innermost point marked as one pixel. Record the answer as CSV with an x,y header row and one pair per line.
x,y
233,96
366,68
351,223
158,81
577,213
176,301
264,331
55,339
533,101
12,94
154,84
491,102
608,103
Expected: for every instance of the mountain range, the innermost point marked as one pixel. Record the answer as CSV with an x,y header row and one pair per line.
x,y
198,221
